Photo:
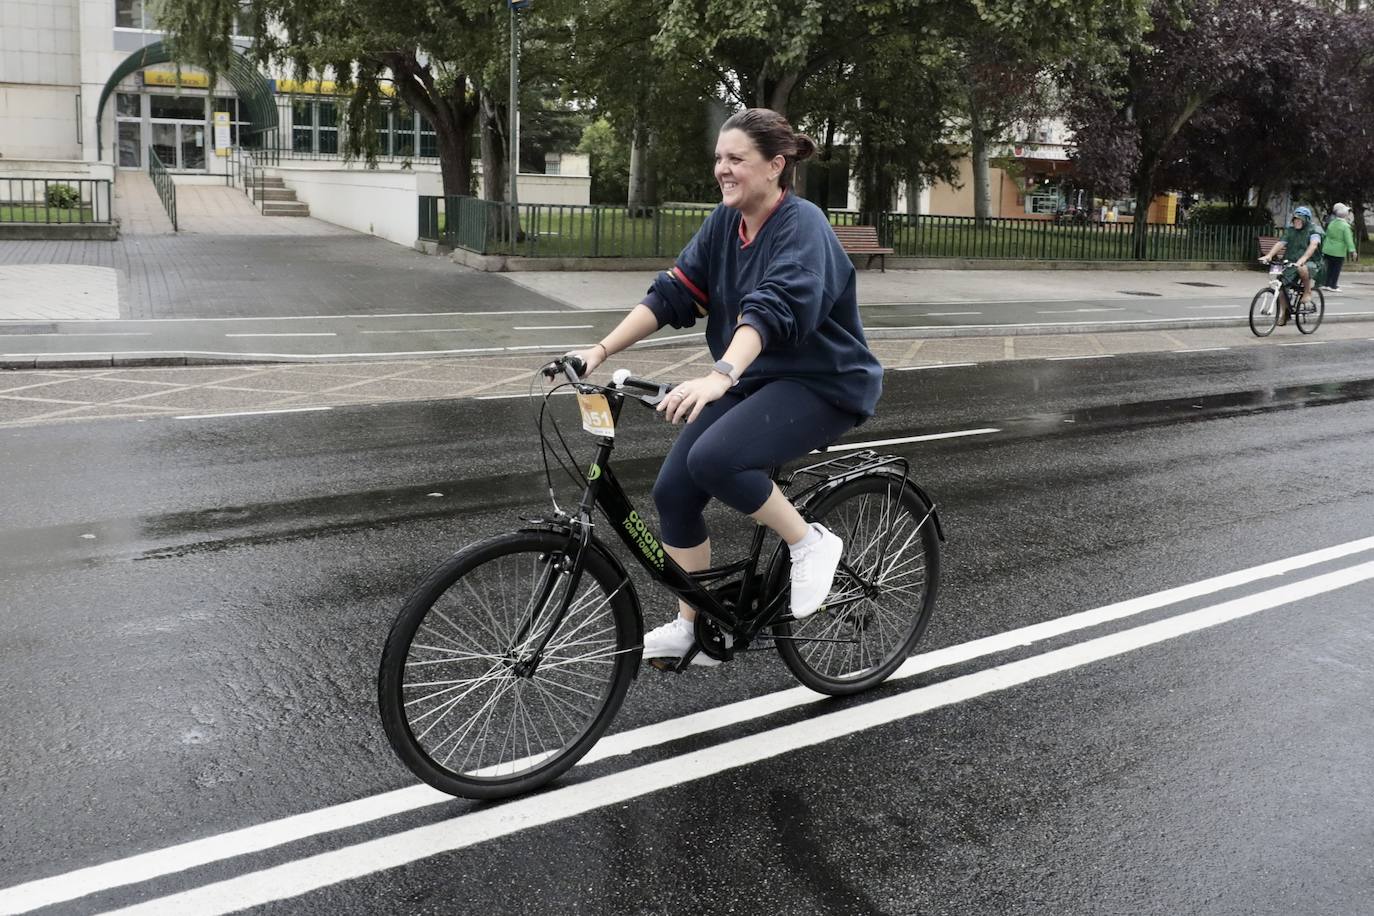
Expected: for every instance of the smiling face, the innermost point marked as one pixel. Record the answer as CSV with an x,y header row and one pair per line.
x,y
747,181
1297,222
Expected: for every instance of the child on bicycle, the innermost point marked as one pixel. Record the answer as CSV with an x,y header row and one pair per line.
x,y
793,371
1305,236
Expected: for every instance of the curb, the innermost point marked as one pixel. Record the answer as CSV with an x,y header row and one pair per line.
x,y
173,359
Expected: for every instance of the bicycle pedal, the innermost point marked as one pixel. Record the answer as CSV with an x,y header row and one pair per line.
x,y
665,664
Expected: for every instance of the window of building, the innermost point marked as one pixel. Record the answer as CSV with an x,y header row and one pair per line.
x,y
231,106
130,144
133,14
327,125
429,141
404,139
177,107
1042,203
128,105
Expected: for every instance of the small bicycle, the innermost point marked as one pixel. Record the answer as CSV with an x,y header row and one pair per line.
x,y
510,659
1284,293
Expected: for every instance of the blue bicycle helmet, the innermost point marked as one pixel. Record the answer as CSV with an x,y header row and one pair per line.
x,y
1303,212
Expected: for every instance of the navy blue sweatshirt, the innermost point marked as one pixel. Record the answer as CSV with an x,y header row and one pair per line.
x,y
793,284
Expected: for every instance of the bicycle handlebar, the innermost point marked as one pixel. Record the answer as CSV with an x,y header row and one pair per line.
x,y
574,368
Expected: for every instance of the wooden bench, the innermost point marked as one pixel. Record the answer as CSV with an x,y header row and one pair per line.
x,y
862,240
1265,243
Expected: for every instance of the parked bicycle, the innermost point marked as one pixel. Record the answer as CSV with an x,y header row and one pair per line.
x,y
1283,293
510,659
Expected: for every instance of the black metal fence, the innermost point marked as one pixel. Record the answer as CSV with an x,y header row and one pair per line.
x,y
557,230
166,188
55,200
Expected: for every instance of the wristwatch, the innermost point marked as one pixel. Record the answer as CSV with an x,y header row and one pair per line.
x,y
727,370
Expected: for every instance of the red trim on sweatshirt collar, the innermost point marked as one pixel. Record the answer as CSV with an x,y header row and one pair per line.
x,y
745,243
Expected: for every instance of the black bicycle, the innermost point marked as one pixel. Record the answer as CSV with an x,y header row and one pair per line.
x,y
1283,295
511,658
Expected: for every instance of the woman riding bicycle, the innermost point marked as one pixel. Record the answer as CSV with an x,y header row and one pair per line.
x,y
793,370
1300,241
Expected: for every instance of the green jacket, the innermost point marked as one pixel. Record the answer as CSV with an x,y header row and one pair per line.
x,y
1295,241
1340,240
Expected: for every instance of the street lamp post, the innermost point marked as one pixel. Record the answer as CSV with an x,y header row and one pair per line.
x,y
512,132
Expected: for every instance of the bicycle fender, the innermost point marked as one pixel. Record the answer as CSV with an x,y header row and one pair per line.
x,y
595,544
824,489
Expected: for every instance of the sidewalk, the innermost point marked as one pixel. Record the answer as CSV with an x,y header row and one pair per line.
x,y
43,396
322,293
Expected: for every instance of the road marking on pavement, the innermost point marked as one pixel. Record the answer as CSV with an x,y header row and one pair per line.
x,y
936,366
873,443
947,314
249,413
288,334
1304,343
1230,308
146,866
555,327
1079,311
1202,350
91,334
1090,356
302,876
418,331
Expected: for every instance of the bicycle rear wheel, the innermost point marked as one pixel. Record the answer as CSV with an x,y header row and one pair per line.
x,y
1264,312
1309,318
883,594
462,702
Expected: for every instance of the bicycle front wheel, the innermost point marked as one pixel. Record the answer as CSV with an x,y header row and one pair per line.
x,y
883,594
1308,318
468,701
1264,312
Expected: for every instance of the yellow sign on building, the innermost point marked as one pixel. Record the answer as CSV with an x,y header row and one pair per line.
x,y
189,79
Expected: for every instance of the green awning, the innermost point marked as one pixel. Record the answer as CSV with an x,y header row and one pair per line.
x,y
256,104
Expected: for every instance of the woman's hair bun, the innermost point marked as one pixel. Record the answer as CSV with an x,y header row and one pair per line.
x,y
806,147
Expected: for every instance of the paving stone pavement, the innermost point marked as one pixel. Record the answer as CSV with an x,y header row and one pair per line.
x,y
50,292
33,396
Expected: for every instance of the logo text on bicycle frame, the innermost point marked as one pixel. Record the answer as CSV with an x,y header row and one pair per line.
x,y
648,544
594,472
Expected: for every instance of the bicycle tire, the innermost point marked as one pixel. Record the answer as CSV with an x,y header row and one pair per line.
x,y
461,679
872,515
1309,321
1264,312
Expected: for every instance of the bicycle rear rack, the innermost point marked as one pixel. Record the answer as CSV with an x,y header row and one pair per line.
x,y
841,468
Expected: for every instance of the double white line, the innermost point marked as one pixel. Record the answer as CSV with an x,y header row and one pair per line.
x,y
302,876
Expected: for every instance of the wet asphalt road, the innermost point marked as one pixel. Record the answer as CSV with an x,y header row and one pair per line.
x,y
193,613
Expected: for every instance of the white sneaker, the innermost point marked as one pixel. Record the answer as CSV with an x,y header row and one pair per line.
x,y
673,640
813,572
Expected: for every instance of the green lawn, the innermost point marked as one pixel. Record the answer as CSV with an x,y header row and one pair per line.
x,y
32,213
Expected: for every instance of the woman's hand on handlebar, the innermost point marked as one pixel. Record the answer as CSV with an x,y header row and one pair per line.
x,y
686,401
593,356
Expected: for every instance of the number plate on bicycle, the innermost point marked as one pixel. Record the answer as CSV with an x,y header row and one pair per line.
x,y
1275,269
596,414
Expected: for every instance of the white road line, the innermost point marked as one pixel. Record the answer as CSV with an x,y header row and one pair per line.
x,y
1202,350
1230,308
947,314
872,443
91,334
936,366
555,327
1078,311
1304,343
149,865
1092,356
249,413
288,334
302,876
418,331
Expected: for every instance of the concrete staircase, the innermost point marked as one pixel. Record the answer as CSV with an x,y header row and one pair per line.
x,y
279,200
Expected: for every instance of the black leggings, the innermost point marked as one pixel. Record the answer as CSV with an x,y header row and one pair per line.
x,y
728,451
1333,270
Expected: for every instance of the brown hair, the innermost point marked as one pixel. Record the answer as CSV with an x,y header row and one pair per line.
x,y
774,136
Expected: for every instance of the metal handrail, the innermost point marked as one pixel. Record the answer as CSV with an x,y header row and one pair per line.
x,y
166,188
54,200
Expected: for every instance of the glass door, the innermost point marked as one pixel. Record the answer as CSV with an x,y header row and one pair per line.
x,y
165,144
192,145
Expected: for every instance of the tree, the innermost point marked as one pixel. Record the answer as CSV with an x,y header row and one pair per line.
x,y
609,162
1128,123
428,51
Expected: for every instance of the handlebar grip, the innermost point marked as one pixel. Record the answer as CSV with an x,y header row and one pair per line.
x,y
643,384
